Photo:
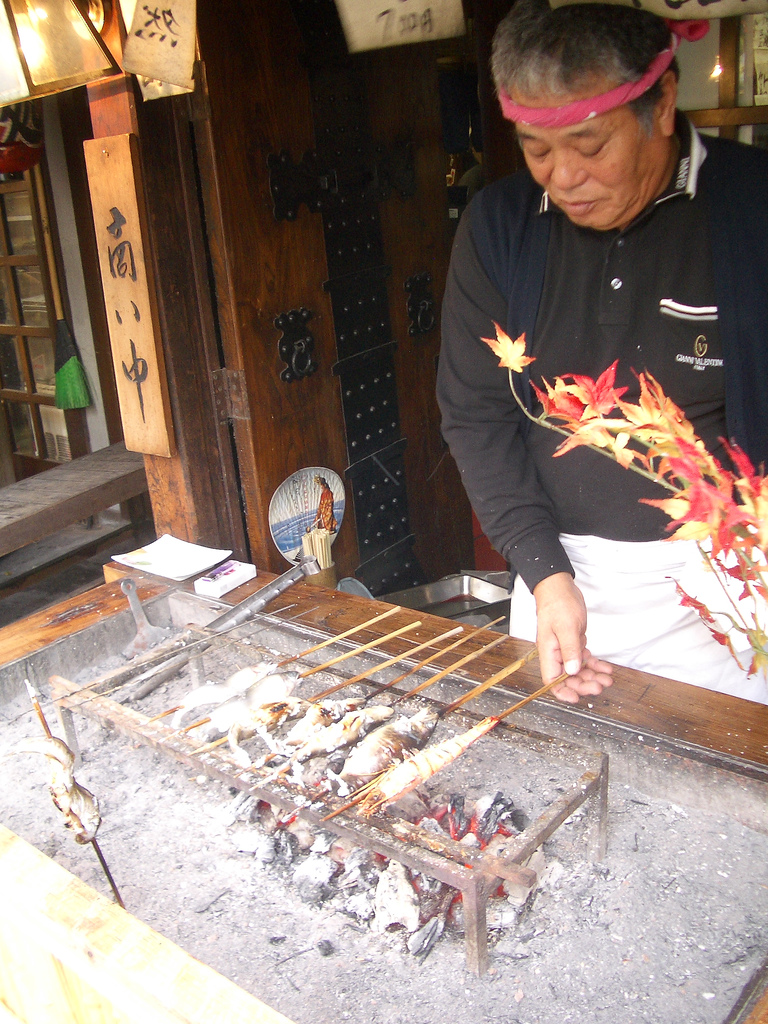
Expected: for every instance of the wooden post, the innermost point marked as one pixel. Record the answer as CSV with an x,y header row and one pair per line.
x,y
193,489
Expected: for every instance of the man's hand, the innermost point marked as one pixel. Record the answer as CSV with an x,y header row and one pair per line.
x,y
561,635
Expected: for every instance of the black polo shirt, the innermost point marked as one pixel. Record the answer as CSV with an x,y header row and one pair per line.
x,y
645,296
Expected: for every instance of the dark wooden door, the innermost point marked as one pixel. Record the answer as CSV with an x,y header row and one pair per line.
x,y
323,178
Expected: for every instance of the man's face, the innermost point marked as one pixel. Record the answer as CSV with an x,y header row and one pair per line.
x,y
602,172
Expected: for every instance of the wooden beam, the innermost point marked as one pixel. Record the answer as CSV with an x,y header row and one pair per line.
x,y
44,504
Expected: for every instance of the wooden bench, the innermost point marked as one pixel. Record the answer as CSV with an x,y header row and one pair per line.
x,y
41,505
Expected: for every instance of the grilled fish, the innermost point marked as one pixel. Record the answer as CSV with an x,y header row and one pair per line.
x,y
343,733
262,721
79,807
274,687
217,693
318,716
387,745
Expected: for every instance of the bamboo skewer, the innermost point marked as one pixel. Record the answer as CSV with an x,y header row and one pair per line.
x,y
385,664
496,678
481,729
451,668
433,657
359,650
340,636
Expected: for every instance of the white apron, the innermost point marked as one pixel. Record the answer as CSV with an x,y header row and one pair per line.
x,y
634,615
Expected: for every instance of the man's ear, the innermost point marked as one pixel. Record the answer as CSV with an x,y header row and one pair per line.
x,y
664,110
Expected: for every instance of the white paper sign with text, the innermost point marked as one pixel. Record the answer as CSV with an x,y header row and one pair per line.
x,y
374,24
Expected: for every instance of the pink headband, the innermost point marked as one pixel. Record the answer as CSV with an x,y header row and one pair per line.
x,y
582,110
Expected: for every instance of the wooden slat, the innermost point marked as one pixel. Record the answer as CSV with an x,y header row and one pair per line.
x,y
68,954
41,505
37,631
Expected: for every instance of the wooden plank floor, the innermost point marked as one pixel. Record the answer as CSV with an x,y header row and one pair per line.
x,y
41,505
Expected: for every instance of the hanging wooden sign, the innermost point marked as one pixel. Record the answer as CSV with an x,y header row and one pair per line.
x,y
161,42
682,11
114,178
372,25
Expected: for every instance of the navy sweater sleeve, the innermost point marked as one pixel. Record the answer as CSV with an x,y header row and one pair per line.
x,y
481,421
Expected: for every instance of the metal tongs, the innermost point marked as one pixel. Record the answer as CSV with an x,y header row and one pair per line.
x,y
150,670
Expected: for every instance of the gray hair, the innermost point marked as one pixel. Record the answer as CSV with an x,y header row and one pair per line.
x,y
540,49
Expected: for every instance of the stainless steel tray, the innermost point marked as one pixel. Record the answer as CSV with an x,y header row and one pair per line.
x,y
474,598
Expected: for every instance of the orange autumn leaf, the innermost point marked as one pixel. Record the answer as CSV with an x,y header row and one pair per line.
x,y
511,353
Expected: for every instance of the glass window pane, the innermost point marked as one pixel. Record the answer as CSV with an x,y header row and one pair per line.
x,y
60,46
42,358
34,312
6,317
21,427
18,217
10,370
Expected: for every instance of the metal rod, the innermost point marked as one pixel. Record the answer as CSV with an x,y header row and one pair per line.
x,y
384,664
307,566
360,650
108,873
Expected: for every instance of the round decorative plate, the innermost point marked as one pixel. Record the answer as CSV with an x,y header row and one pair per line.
x,y
302,502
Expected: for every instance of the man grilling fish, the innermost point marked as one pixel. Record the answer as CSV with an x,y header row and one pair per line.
x,y
628,237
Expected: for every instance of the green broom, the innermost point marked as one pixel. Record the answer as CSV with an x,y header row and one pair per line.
x,y
71,384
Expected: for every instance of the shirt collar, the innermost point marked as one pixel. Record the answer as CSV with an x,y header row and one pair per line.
x,y
685,179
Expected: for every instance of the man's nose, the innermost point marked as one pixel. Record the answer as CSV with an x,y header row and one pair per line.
x,y
568,171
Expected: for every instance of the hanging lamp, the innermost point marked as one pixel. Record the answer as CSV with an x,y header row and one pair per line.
x,y
48,46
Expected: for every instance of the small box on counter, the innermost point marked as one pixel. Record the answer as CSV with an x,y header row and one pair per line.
x,y
225,577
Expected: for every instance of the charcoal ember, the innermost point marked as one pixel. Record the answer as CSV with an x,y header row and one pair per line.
x,y
456,821
267,816
340,849
357,868
305,836
257,843
396,901
432,825
312,878
323,841
497,812
360,904
286,847
411,807
265,851
434,897
421,942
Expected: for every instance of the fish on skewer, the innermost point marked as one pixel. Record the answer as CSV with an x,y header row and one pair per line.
x,y
338,735
217,693
263,721
318,716
343,733
79,807
386,746
274,687
401,778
